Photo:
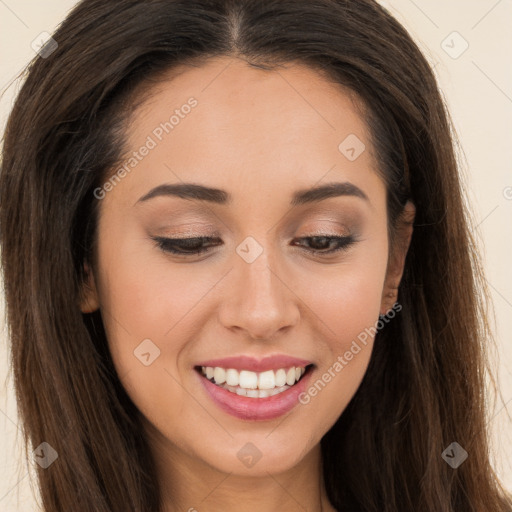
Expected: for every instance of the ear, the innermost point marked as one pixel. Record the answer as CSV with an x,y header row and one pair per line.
x,y
398,252
89,297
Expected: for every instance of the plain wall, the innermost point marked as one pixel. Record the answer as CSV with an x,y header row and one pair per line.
x,y
477,84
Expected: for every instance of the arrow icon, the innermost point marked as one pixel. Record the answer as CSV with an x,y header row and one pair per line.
x,y
249,455
351,147
454,45
454,455
147,352
249,252
45,455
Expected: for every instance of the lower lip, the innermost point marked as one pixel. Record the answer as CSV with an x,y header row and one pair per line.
x,y
246,408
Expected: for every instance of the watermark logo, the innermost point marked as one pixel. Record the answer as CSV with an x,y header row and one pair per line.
x,y
249,455
146,352
45,455
44,45
454,455
352,147
249,249
454,45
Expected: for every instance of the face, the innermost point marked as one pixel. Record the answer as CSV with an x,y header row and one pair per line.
x,y
286,281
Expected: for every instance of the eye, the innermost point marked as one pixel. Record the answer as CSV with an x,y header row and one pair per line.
x,y
329,244
184,246
321,244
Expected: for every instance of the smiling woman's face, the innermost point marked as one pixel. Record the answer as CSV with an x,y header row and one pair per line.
x,y
260,139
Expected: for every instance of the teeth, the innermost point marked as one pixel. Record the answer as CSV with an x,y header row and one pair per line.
x,y
290,377
254,393
267,380
248,380
219,374
276,391
232,377
280,378
252,384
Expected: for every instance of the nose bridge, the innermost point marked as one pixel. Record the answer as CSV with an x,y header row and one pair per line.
x,y
261,303
259,274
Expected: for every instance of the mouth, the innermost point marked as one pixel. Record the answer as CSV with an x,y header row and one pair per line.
x,y
256,385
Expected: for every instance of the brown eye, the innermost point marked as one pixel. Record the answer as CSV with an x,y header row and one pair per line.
x,y
325,244
318,244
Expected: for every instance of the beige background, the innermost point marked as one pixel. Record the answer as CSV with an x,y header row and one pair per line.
x,y
477,84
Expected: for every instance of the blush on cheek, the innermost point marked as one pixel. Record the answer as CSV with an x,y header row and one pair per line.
x,y
349,307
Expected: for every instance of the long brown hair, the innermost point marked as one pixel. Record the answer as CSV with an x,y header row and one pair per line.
x,y
424,387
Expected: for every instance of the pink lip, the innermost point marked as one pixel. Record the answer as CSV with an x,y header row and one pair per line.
x,y
256,365
246,408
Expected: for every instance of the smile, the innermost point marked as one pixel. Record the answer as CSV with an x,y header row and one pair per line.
x,y
254,384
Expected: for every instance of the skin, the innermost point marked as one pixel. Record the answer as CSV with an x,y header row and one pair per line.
x,y
259,135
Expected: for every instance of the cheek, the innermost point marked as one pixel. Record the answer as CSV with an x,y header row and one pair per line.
x,y
347,297
348,305
151,306
143,310
145,294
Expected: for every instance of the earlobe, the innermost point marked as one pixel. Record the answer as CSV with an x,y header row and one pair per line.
x,y
89,295
396,263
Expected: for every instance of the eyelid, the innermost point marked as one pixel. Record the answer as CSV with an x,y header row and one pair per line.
x,y
215,233
168,245
325,232
202,233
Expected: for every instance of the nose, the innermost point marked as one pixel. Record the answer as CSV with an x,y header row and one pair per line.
x,y
260,302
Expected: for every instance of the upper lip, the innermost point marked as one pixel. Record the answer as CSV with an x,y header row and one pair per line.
x,y
254,364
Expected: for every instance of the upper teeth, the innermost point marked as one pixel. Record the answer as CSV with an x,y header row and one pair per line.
x,y
253,380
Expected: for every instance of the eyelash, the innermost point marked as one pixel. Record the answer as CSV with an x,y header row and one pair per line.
x,y
169,244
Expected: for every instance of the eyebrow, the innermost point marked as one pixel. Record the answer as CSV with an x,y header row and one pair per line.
x,y
221,197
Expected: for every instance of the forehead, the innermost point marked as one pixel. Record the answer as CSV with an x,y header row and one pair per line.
x,y
229,89
226,123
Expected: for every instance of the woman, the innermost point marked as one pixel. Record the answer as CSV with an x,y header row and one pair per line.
x,y
238,269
